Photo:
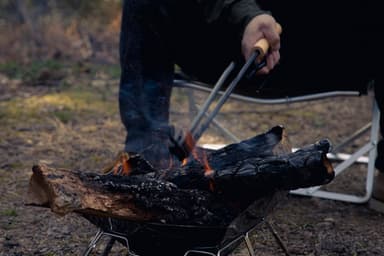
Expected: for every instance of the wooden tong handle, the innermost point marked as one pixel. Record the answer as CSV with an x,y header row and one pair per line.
x,y
263,46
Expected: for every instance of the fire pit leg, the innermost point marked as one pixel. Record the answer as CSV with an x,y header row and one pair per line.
x,y
278,239
114,236
249,245
109,246
93,242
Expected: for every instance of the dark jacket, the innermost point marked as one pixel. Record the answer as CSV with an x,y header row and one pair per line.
x,y
209,32
235,13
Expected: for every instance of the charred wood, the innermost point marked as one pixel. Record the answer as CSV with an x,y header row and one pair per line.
x,y
239,175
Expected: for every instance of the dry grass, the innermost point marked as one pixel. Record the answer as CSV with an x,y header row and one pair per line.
x,y
75,124
59,35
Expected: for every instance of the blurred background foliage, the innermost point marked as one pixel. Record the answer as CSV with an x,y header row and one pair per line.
x,y
80,30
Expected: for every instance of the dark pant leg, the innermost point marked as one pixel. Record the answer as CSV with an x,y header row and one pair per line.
x,y
146,79
154,36
379,96
377,55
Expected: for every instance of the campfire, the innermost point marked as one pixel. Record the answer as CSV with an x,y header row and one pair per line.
x,y
219,193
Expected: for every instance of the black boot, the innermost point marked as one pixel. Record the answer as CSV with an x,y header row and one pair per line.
x,y
145,114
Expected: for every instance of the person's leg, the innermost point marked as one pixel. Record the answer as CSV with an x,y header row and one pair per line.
x,y
146,80
379,95
376,42
377,201
154,36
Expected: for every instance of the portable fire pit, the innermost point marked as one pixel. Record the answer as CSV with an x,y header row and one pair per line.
x,y
208,203
169,239
187,240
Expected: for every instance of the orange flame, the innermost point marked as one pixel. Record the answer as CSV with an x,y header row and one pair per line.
x,y
126,167
189,142
121,166
199,156
208,171
207,168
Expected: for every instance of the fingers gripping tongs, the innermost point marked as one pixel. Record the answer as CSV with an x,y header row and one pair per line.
x,y
185,144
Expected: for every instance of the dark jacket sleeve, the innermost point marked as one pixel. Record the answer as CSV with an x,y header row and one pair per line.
x,y
234,13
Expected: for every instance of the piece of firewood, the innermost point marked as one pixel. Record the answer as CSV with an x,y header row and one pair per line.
x,y
239,174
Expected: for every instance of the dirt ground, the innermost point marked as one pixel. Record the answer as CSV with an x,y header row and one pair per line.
x,y
69,118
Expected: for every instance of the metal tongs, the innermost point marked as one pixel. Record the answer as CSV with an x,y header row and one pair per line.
x,y
254,63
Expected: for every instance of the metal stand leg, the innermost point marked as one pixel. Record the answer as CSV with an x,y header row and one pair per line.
x,y
93,242
251,250
109,246
278,239
249,245
113,237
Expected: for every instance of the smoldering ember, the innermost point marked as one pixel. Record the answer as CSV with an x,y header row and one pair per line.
x,y
231,188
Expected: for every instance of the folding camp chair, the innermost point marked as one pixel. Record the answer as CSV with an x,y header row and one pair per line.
x,y
347,159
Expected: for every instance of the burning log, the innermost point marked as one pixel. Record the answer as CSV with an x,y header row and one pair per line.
x,y
191,194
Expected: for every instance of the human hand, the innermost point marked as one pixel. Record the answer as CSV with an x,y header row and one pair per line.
x,y
262,26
